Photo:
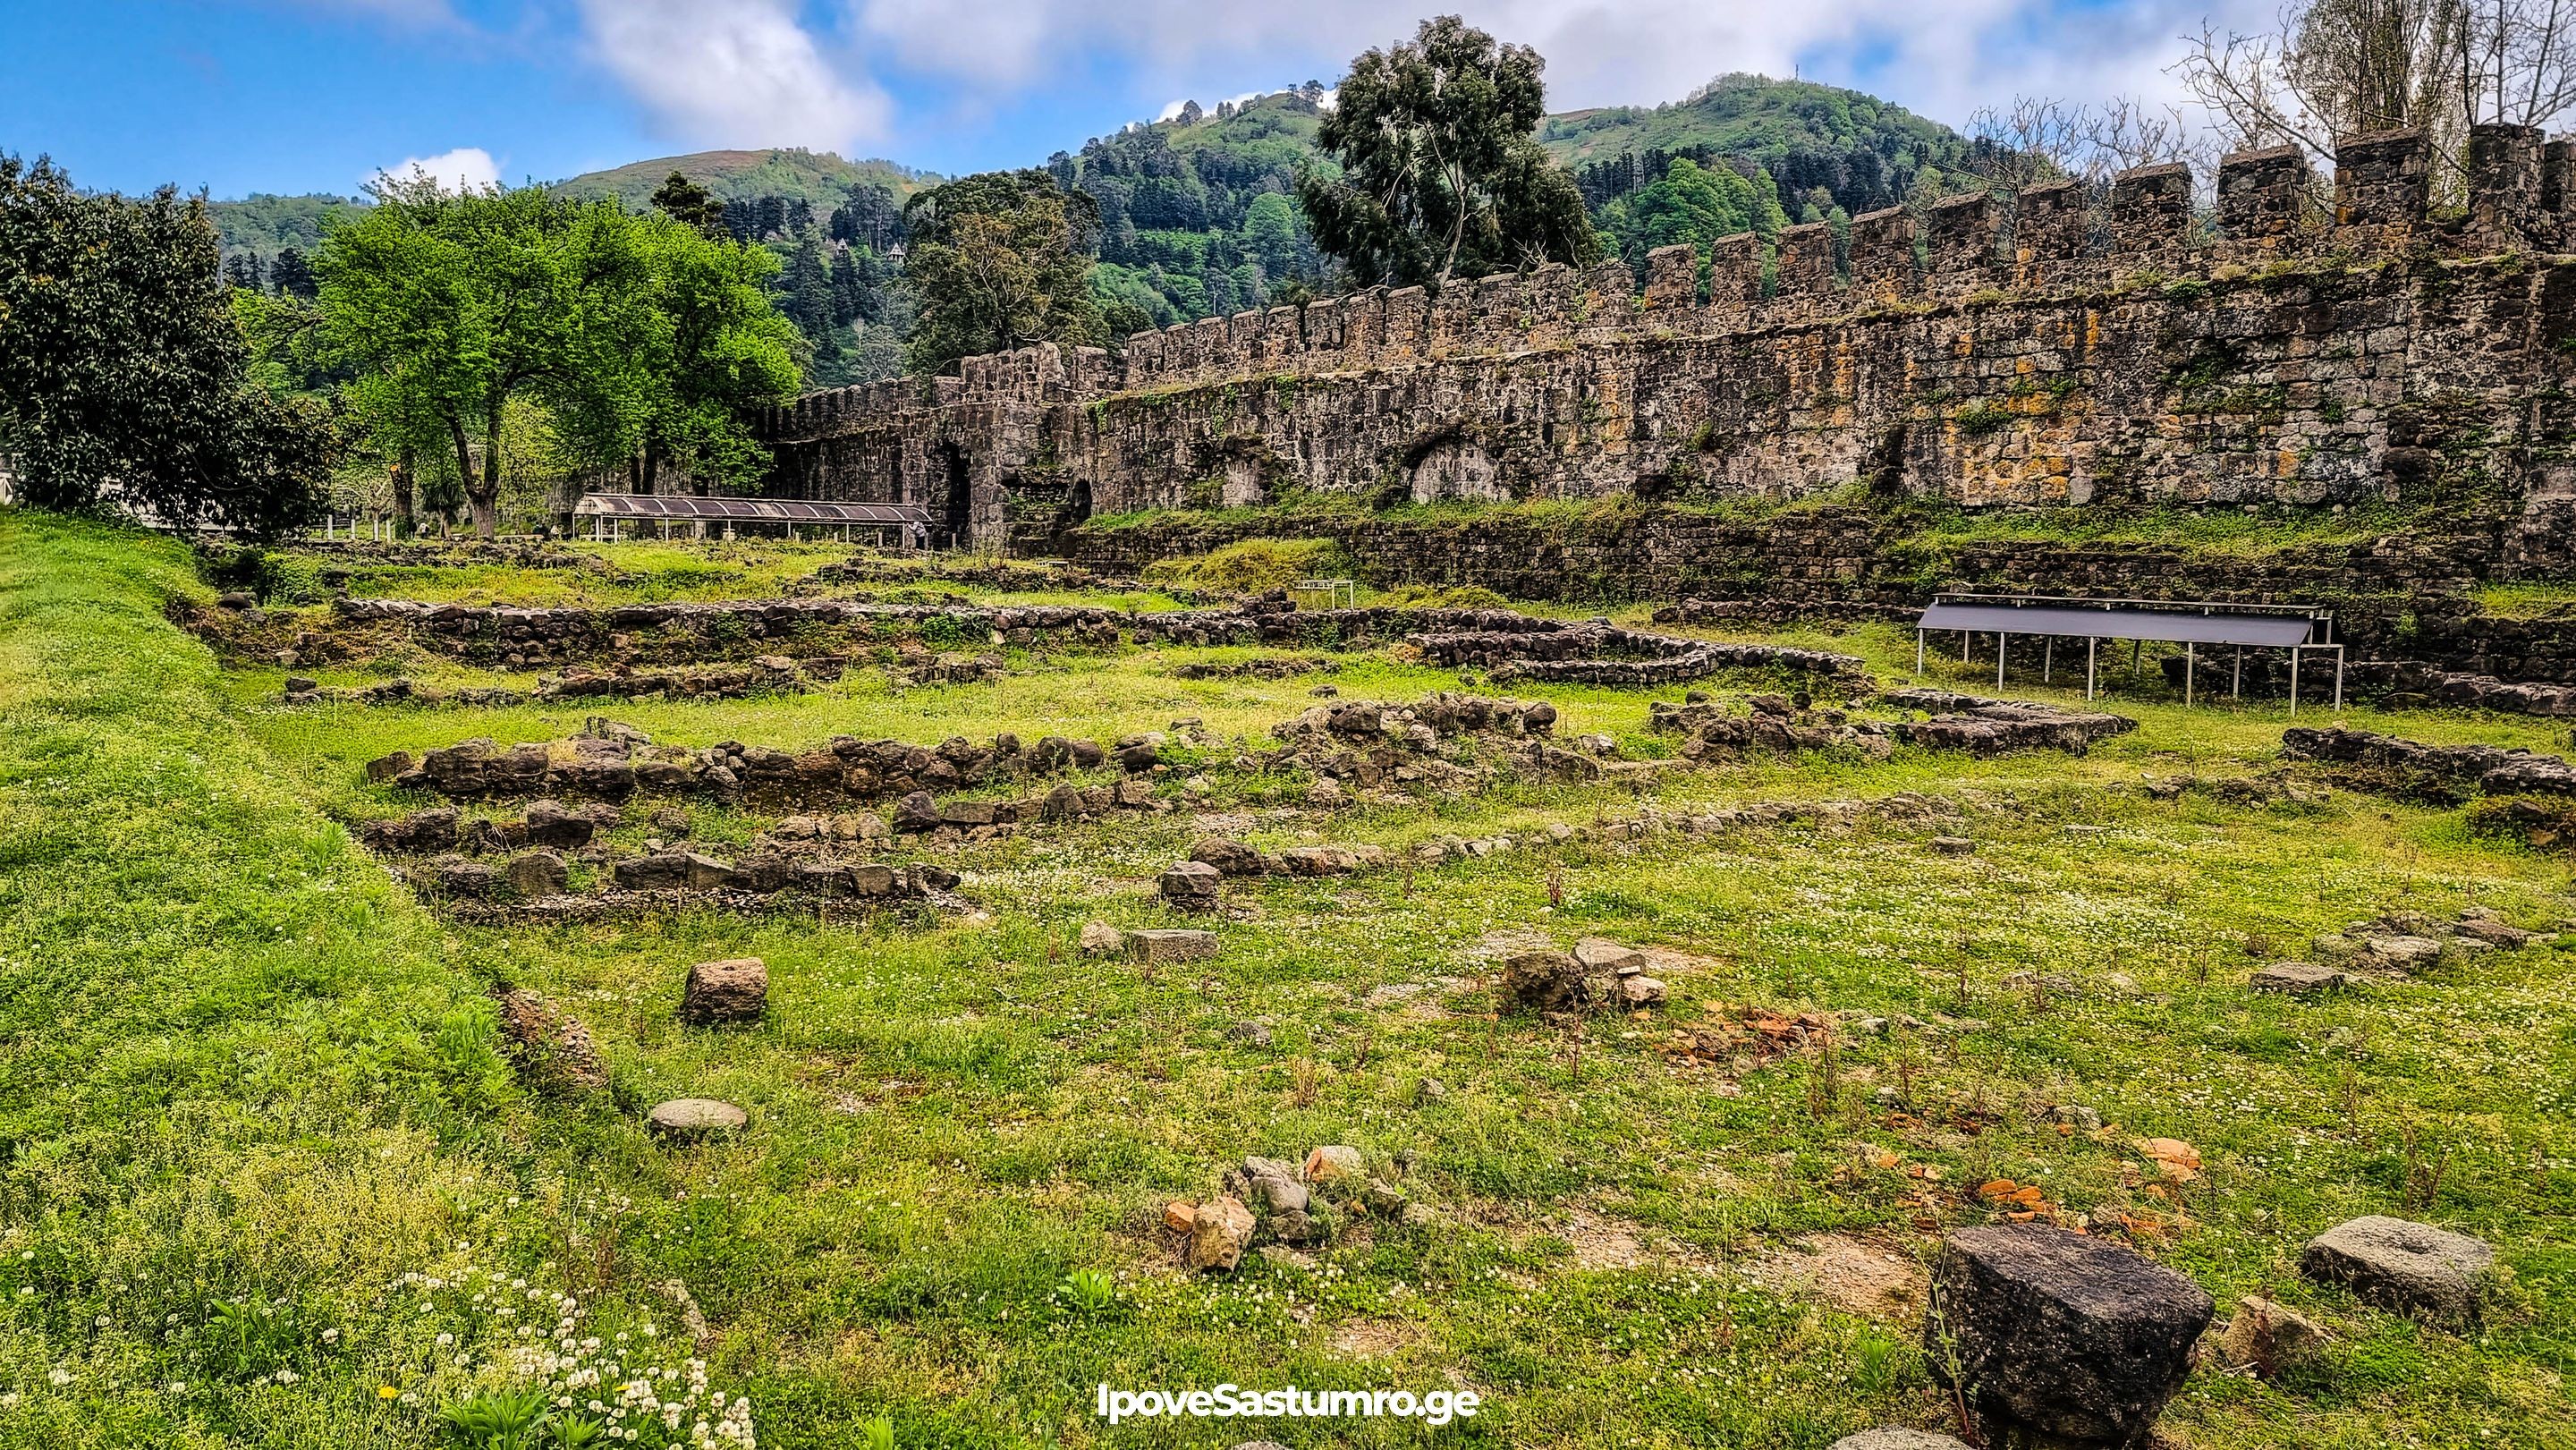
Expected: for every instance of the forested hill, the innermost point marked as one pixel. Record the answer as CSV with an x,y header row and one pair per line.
x,y
817,178
265,224
1198,217
1862,152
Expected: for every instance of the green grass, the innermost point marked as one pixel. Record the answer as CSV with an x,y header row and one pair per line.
x,y
2528,598
242,1063
2225,533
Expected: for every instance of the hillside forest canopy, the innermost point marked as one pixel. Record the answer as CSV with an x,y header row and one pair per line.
x,y
1211,211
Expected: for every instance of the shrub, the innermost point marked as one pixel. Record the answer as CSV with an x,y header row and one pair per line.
x,y
1253,566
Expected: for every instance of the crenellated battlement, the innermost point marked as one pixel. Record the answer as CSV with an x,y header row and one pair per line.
x,y
2052,236
2052,346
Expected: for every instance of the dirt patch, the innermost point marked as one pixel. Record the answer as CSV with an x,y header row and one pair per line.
x,y
1607,1241
1494,946
1874,1281
1374,1338
1666,962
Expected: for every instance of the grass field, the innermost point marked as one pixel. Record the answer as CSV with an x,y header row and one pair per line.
x,y
269,1180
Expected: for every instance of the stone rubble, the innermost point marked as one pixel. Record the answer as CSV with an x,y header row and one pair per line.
x,y
2056,1334
551,1051
2396,765
1600,653
2412,1268
693,1120
734,990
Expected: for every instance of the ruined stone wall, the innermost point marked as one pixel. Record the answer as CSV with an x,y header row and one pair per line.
x,y
2078,354
2399,595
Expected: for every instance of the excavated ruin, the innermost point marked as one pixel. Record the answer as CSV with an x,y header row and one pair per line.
x,y
2393,765
1774,724
1597,652
1981,726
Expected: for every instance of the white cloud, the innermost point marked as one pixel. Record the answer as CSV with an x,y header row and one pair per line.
x,y
740,73
1941,57
467,168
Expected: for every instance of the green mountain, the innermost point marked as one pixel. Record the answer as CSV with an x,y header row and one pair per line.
x,y
1198,213
817,178
265,225
1198,216
1862,152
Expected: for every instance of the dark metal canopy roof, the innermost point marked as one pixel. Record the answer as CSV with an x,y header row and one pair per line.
x,y
755,510
2242,624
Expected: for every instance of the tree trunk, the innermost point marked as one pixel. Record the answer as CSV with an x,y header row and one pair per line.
x,y
464,463
405,526
487,497
652,463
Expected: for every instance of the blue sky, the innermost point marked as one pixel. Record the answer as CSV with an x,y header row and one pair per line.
x,y
316,95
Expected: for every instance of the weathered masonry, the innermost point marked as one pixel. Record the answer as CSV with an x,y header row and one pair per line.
x,y
2068,354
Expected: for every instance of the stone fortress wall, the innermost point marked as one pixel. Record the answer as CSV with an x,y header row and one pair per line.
x,y
2068,353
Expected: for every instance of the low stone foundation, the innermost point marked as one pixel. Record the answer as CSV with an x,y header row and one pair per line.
x,y
2397,766
1596,653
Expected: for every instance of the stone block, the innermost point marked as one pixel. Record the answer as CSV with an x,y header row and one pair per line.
x,y
733,990
1672,279
540,872
2504,184
1959,244
2383,183
691,1120
1898,1438
2413,1268
2055,1334
2298,978
1882,255
1805,270
1156,945
1191,886
2151,213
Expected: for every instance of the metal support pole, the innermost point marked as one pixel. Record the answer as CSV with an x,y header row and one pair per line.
x,y
2089,643
2294,682
1918,654
2237,685
2137,651
2338,698
2190,659
1965,636
2002,640
2047,658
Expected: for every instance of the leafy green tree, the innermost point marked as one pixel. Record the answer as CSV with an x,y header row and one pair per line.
x,y
124,377
1692,206
1439,171
999,261
715,351
639,336
1271,233
242,270
689,204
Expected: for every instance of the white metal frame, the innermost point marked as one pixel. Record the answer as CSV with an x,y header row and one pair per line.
x,y
2320,619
